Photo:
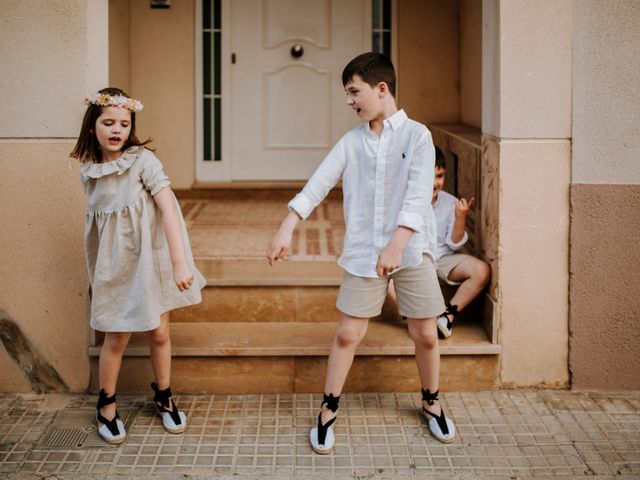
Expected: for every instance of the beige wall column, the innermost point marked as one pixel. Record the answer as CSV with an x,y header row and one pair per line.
x,y
526,122
58,53
605,195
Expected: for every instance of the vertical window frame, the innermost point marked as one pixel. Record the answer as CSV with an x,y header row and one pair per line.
x,y
211,95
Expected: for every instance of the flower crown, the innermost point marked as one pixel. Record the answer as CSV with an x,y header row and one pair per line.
x,y
106,100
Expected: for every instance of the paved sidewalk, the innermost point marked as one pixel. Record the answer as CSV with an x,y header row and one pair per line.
x,y
501,434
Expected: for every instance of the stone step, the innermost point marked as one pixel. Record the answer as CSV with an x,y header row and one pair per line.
x,y
251,339
261,357
375,373
249,290
262,304
256,272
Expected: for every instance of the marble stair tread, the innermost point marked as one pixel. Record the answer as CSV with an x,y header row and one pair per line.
x,y
301,339
257,272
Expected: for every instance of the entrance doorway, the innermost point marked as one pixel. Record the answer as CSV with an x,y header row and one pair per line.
x,y
282,102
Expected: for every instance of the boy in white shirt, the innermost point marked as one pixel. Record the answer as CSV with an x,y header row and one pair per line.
x,y
472,274
386,165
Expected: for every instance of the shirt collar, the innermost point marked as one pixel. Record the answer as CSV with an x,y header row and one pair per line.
x,y
396,120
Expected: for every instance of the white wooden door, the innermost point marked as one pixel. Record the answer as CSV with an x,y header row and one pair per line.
x,y
287,101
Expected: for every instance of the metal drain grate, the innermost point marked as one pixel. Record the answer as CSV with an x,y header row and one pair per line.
x,y
64,438
76,428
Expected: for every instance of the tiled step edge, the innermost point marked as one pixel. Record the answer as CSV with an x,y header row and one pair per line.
x,y
300,339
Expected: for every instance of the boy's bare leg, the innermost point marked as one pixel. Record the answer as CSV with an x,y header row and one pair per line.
x,y
349,334
109,366
160,346
474,275
424,334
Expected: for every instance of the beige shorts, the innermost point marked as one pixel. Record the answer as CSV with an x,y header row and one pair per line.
x,y
417,291
446,263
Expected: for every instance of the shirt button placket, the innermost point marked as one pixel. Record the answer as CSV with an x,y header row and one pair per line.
x,y
378,220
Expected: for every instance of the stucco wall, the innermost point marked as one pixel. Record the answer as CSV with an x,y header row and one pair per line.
x,y
43,281
471,62
120,44
526,118
533,255
606,75
163,77
58,54
531,59
605,281
605,225
44,73
428,70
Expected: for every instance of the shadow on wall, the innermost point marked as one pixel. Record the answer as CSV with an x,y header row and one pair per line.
x,y
42,376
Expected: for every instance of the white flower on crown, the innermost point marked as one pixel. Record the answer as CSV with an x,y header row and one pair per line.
x,y
106,100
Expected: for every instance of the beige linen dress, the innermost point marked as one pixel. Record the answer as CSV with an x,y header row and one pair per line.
x,y
126,248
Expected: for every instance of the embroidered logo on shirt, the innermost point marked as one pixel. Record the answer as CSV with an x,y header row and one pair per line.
x,y
402,154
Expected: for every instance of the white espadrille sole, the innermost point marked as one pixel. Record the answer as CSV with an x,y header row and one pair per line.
x,y
108,437
434,429
327,447
441,322
170,426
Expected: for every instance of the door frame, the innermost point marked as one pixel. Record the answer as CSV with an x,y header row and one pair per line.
x,y
221,171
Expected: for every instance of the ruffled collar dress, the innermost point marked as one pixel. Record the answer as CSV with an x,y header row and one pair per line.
x,y
126,250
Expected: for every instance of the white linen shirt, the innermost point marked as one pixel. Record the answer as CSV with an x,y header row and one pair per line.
x,y
444,209
387,182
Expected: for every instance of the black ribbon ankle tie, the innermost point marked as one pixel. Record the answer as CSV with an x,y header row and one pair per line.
x,y
332,404
162,397
431,398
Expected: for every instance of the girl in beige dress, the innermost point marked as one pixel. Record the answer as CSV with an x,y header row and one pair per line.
x,y
137,252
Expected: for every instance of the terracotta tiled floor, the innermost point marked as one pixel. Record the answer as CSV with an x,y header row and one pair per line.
x,y
233,228
501,434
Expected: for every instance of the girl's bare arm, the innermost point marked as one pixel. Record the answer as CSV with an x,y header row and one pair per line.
x,y
166,203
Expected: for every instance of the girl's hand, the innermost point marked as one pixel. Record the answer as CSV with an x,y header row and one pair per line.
x,y
280,243
463,207
183,276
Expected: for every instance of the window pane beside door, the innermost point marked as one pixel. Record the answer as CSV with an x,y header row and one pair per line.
x,y
211,79
381,27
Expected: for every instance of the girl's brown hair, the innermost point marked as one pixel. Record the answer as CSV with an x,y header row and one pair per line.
x,y
87,148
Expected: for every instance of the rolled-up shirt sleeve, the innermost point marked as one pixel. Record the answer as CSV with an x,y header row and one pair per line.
x,y
420,185
321,182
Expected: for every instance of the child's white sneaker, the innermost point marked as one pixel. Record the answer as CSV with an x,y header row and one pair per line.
x,y
112,431
441,427
173,420
322,438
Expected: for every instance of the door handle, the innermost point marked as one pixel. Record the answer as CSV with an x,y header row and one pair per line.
x,y
297,51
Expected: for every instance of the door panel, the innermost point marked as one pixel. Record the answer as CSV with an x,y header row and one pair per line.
x,y
282,125
288,111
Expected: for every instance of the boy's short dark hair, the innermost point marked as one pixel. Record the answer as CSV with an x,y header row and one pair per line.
x,y
440,162
373,68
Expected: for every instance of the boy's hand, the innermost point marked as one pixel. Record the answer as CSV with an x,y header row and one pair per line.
x,y
277,249
281,241
388,260
183,276
463,206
